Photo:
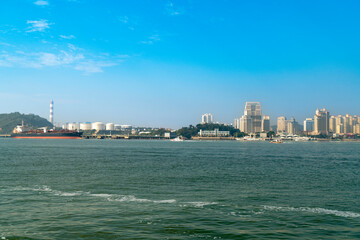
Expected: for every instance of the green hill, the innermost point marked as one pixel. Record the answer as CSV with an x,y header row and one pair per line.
x,y
8,121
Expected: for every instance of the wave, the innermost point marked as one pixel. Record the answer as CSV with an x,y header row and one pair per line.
x,y
338,213
198,204
108,197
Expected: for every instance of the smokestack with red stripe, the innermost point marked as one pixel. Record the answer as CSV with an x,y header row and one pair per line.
x,y
51,112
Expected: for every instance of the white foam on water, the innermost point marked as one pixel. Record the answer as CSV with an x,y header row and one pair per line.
x,y
338,213
198,204
129,198
102,195
66,194
165,201
108,197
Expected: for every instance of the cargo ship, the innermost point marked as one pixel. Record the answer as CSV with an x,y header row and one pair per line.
x,y
22,131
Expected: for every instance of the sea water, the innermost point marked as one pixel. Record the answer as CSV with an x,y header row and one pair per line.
x,y
130,189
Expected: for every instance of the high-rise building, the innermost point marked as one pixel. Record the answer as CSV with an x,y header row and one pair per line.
x,y
253,110
281,124
339,128
308,125
292,127
236,123
321,122
246,124
357,128
206,118
332,124
348,124
265,125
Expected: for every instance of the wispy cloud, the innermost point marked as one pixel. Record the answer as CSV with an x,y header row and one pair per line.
x,y
38,25
62,58
41,3
67,37
130,23
172,10
151,40
72,57
93,66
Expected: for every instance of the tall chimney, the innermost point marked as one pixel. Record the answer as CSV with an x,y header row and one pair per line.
x,y
52,112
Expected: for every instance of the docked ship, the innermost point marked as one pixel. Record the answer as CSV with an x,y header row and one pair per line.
x,y
22,131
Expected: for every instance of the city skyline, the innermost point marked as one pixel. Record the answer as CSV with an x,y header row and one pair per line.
x,y
167,62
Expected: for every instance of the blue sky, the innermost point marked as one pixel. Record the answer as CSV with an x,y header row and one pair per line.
x,y
164,63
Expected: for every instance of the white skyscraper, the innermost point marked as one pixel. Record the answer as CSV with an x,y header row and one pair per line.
x,y
251,121
206,118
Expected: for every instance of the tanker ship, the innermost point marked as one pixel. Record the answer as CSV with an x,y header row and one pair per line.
x,y
22,131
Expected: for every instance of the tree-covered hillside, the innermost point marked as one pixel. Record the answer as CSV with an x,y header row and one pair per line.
x,y
8,121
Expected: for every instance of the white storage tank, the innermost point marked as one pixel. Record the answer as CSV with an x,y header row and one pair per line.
x,y
126,127
110,126
73,126
85,126
98,126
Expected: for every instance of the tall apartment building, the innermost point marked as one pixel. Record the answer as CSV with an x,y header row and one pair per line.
x,y
348,123
251,121
206,118
308,125
357,128
265,124
281,124
321,122
332,124
236,124
292,127
246,124
253,110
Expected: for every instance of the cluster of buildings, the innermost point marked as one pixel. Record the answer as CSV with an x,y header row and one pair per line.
x,y
324,123
252,121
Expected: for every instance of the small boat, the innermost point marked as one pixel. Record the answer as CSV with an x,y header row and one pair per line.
x,y
178,139
276,141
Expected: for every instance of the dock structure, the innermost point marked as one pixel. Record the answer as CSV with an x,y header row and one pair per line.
x,y
140,137
5,135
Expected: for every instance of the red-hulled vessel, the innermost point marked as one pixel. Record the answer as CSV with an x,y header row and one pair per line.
x,y
22,131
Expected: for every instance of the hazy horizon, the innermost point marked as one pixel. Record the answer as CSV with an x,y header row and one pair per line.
x,y
165,63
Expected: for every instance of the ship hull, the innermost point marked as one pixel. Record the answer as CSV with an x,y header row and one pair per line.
x,y
50,137
62,135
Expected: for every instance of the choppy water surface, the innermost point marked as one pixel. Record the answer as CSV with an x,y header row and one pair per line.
x,y
118,189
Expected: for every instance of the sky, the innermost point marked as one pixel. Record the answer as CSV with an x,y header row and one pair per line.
x,y
164,63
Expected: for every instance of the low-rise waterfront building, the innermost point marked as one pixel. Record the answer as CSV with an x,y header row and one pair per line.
x,y
213,133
